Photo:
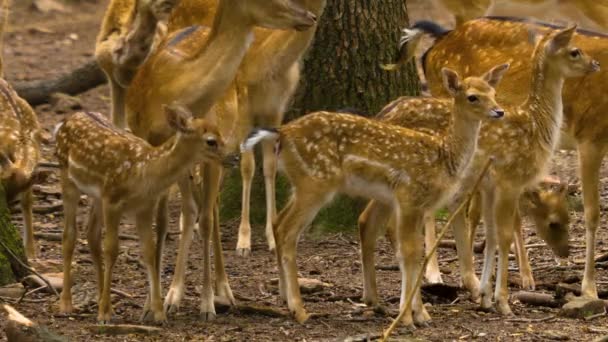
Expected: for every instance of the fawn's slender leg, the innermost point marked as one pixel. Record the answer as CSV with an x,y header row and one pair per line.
x,y
270,173
111,219
277,222
162,225
590,160
375,215
525,271
222,287
465,253
301,212
71,195
211,179
473,217
28,234
94,241
504,211
432,272
186,220
490,251
243,245
143,223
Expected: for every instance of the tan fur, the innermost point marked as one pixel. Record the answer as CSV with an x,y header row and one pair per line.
x,y
324,153
522,144
197,67
19,146
125,39
124,174
480,42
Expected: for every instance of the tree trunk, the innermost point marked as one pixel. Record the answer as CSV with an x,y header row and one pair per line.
x,y
342,67
340,71
10,270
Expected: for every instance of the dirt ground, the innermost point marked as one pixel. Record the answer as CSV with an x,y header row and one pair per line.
x,y
39,46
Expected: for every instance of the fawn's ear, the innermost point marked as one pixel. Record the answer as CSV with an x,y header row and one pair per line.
x,y
494,76
562,39
451,81
178,117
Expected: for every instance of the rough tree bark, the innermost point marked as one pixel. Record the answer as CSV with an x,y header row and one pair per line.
x,y
340,71
10,270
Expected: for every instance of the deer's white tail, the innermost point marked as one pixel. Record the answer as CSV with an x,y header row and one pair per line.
x,y
258,135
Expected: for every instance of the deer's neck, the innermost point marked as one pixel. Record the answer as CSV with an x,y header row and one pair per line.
x,y
544,104
460,142
169,163
219,59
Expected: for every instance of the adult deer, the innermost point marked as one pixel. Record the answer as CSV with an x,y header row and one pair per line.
x,y
524,143
123,43
411,172
196,66
19,146
124,174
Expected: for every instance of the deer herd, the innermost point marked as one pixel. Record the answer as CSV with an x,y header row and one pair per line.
x,y
194,83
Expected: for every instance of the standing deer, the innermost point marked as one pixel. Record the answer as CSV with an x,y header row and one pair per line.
x,y
19,146
324,153
480,42
197,67
123,43
522,144
124,174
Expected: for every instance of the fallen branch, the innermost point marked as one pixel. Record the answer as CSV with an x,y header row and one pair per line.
x,y
268,311
122,329
19,328
48,236
31,270
77,81
530,320
410,296
538,299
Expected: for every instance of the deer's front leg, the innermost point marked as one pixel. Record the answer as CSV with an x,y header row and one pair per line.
x,y
590,160
71,195
371,220
465,254
525,271
432,272
143,222
504,211
94,241
222,287
111,216
211,180
243,244
490,251
28,234
186,221
270,173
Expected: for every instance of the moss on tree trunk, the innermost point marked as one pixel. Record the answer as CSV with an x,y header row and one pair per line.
x,y
10,270
341,70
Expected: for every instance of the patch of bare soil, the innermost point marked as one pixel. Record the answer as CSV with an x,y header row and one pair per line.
x,y
40,46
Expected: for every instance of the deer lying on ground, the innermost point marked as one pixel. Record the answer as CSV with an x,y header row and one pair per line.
x,y
197,66
404,170
19,146
592,14
124,174
584,103
522,144
123,43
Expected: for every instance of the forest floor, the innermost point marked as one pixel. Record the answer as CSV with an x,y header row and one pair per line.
x,y
40,46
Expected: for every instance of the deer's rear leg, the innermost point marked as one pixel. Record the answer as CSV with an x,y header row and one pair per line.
x,y
243,245
71,195
28,234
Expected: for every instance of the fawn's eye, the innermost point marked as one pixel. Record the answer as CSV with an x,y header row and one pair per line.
x,y
472,98
576,53
211,142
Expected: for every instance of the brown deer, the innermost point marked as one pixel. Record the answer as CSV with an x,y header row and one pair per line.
x,y
269,74
19,146
480,42
523,144
411,172
123,43
591,14
196,66
124,174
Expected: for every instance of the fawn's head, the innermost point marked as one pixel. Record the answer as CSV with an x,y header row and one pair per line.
x,y
278,14
562,55
200,135
549,211
475,96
